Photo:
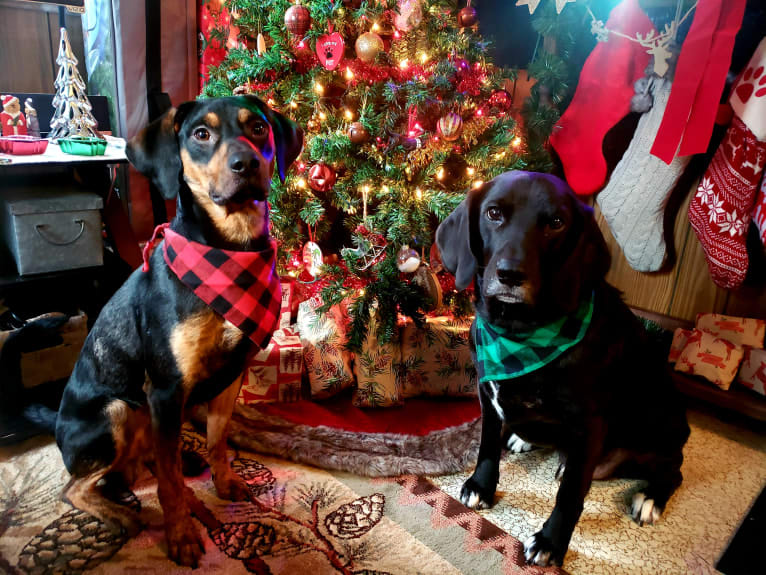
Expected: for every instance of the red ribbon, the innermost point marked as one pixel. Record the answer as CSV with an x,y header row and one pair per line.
x,y
700,76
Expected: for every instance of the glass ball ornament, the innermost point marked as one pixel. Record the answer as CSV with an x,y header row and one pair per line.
x,y
407,260
368,46
358,134
467,17
297,20
450,126
500,101
321,178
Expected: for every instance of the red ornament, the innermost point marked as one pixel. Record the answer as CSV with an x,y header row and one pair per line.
x,y
500,101
450,125
358,134
330,50
321,177
297,19
467,17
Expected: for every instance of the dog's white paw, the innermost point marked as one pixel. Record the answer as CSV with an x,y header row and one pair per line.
x,y
560,471
470,497
644,511
539,551
517,445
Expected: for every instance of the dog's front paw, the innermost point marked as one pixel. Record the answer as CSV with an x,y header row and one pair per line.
x,y
127,523
517,445
645,511
232,487
475,496
539,550
185,545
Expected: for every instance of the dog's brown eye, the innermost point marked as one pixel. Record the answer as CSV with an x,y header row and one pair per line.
x,y
259,129
494,214
202,134
556,224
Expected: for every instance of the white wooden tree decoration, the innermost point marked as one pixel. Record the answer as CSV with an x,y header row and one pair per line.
x,y
73,117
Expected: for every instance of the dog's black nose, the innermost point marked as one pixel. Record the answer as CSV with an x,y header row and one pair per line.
x,y
508,273
243,162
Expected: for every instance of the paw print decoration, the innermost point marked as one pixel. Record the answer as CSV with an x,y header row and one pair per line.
x,y
753,84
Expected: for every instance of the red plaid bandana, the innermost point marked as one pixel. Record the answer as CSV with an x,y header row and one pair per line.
x,y
243,287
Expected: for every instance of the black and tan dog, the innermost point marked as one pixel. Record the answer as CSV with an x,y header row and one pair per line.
x,y
156,348
607,402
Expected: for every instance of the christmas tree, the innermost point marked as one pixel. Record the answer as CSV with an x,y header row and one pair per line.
x,y
403,111
73,115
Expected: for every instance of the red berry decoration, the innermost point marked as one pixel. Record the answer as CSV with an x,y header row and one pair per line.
x,y
450,126
358,134
467,17
297,19
321,178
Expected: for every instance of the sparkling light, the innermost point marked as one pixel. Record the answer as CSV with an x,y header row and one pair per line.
x,y
318,88
404,64
477,184
349,115
516,142
301,183
322,116
349,74
470,171
293,104
419,194
440,173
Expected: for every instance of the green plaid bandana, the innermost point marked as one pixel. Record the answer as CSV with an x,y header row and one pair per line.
x,y
503,355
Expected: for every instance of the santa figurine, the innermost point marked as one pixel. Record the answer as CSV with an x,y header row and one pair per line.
x,y
11,118
33,124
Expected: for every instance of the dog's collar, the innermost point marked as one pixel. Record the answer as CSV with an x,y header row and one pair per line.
x,y
502,354
243,287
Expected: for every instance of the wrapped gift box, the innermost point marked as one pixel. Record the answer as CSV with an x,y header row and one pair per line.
x,y
274,373
374,368
436,359
327,360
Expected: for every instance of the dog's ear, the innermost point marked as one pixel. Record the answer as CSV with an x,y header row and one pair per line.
x,y
154,150
459,239
288,136
585,265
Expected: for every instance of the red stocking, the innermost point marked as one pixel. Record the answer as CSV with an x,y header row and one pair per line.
x,y
602,99
720,211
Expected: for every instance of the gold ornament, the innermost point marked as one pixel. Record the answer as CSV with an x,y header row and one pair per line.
x,y
450,126
368,45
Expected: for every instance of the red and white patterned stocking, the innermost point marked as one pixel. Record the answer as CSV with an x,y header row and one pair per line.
x,y
720,211
759,215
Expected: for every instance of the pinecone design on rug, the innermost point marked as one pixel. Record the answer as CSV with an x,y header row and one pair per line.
x,y
257,475
73,543
354,519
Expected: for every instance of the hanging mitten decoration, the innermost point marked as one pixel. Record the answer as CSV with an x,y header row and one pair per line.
x,y
721,210
633,202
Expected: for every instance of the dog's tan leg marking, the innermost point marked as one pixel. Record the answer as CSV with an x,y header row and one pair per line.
x,y
200,345
228,484
185,545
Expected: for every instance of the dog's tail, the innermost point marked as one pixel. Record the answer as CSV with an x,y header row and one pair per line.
x,y
42,416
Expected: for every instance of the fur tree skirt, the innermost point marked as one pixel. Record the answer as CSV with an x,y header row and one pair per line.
x,y
423,437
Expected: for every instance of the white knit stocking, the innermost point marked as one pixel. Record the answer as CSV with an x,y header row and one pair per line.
x,y
633,202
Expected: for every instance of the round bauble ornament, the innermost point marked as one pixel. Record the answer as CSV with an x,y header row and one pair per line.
x,y
407,260
297,20
500,101
429,282
321,178
410,15
450,125
312,258
368,45
358,134
467,17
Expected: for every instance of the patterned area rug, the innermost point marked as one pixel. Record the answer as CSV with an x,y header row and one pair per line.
x,y
316,521
306,520
724,471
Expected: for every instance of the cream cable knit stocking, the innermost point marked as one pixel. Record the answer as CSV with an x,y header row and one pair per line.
x,y
633,202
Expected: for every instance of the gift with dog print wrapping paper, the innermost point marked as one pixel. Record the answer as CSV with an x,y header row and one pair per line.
x,y
274,373
436,359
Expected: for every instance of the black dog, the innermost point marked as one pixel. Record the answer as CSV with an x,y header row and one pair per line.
x,y
156,348
607,403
